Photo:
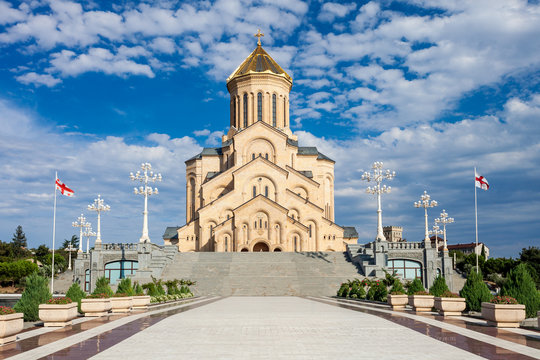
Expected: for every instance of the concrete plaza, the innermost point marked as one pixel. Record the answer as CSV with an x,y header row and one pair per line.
x,y
280,328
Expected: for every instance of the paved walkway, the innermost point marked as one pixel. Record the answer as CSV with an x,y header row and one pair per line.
x,y
284,328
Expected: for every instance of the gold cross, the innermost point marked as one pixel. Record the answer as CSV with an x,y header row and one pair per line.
x,y
258,35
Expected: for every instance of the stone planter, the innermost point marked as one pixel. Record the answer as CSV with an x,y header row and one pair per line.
x,y
397,302
95,307
421,303
57,314
141,302
10,325
121,304
449,306
503,315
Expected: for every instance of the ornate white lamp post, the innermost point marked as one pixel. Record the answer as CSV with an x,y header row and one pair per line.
x,y
146,177
425,203
88,233
436,232
377,176
99,207
70,248
80,223
444,219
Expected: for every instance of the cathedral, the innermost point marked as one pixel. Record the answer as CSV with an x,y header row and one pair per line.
x,y
260,190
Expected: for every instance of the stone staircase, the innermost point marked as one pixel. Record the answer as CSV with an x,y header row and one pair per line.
x,y
262,273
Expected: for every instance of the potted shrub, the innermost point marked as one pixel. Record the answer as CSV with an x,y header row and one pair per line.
x,y
75,293
58,312
397,297
11,323
421,301
96,305
398,300
503,311
121,303
140,300
449,304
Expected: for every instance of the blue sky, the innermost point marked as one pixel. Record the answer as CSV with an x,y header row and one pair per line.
x,y
432,88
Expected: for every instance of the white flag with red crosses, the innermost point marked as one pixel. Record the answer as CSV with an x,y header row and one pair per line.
x,y
481,182
63,188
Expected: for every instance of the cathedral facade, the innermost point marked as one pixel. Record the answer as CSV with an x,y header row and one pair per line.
x,y
260,190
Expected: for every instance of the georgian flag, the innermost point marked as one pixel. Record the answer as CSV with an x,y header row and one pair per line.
x,y
480,182
63,188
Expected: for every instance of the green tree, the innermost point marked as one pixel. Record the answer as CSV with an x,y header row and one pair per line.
x,y
74,241
439,286
76,294
138,290
125,287
397,286
103,287
521,286
36,292
415,286
41,252
475,291
19,243
531,256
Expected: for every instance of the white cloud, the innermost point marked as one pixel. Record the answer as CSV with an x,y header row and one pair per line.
x,y
31,153
38,79
440,158
69,63
8,14
331,11
204,132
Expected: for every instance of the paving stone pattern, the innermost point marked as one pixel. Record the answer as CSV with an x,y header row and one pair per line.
x,y
279,328
260,274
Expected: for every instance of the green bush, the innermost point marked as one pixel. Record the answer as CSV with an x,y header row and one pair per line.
x,y
377,292
172,287
439,286
475,291
415,286
125,287
103,287
75,293
138,290
342,289
397,287
522,287
15,271
36,292
361,292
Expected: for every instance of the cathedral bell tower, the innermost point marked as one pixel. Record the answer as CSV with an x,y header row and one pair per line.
x,y
259,90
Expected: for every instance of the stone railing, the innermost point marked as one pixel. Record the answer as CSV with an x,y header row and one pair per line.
x,y
405,245
118,247
83,256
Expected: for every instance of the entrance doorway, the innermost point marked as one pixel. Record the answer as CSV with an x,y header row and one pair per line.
x,y
260,246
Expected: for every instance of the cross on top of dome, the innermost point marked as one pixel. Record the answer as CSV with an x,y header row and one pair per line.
x,y
258,35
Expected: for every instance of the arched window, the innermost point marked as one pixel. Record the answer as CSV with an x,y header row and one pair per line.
x,y
245,110
266,224
254,191
260,223
259,106
408,269
119,269
274,100
284,112
87,280
253,156
295,243
226,244
234,111
266,156
255,224
309,230
266,191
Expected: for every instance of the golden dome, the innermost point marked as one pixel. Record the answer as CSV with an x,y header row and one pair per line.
x,y
259,62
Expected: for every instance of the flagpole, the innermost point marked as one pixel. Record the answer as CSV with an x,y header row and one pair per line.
x,y
54,232
476,220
